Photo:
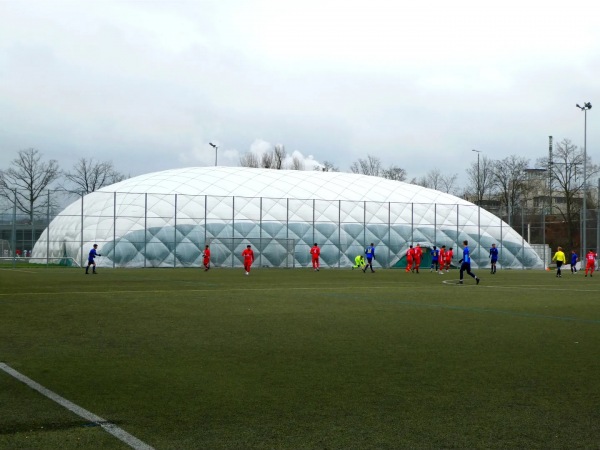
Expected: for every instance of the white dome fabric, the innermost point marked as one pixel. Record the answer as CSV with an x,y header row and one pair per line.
x,y
164,219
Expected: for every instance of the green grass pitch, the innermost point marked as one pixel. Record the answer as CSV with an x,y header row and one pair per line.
x,y
295,359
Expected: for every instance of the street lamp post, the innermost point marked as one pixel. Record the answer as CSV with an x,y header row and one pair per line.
x,y
584,108
216,148
478,205
478,177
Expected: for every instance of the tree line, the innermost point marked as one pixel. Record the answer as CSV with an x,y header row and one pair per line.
x,y
26,182
506,181
555,183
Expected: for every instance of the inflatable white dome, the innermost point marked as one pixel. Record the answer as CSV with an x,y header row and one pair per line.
x,y
164,219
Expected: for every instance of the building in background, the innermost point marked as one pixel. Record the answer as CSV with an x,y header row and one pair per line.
x,y
164,219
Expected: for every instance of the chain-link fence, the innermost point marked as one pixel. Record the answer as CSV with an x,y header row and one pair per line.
x,y
147,230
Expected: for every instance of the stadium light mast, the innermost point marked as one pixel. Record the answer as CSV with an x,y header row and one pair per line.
x,y
478,177
584,108
216,148
478,205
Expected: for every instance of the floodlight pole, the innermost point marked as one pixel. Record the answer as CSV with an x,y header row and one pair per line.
x,y
478,205
216,148
584,108
598,220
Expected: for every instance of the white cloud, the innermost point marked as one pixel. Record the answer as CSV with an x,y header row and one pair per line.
x,y
148,85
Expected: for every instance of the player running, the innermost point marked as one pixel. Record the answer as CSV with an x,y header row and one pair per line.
x,y
370,254
466,264
91,262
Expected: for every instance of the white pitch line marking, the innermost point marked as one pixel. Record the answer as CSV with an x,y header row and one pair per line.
x,y
111,428
383,286
20,270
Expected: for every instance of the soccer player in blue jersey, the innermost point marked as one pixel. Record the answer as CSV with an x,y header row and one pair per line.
x,y
466,263
493,258
93,253
370,254
574,258
435,259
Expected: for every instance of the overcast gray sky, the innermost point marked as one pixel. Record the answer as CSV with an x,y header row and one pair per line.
x,y
148,84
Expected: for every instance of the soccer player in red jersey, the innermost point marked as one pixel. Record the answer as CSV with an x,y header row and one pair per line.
x,y
206,260
590,262
410,253
418,254
315,251
449,255
248,256
442,259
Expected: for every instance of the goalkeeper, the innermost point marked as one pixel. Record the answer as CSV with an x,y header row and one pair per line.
x,y
359,261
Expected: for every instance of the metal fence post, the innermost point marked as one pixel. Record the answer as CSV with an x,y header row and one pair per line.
x,y
47,231
14,230
175,232
81,234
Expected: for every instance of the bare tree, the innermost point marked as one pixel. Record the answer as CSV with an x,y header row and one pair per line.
x,y
249,159
327,166
510,179
27,179
297,164
89,176
272,159
435,179
449,183
394,173
266,160
566,176
369,166
25,184
481,178
278,158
